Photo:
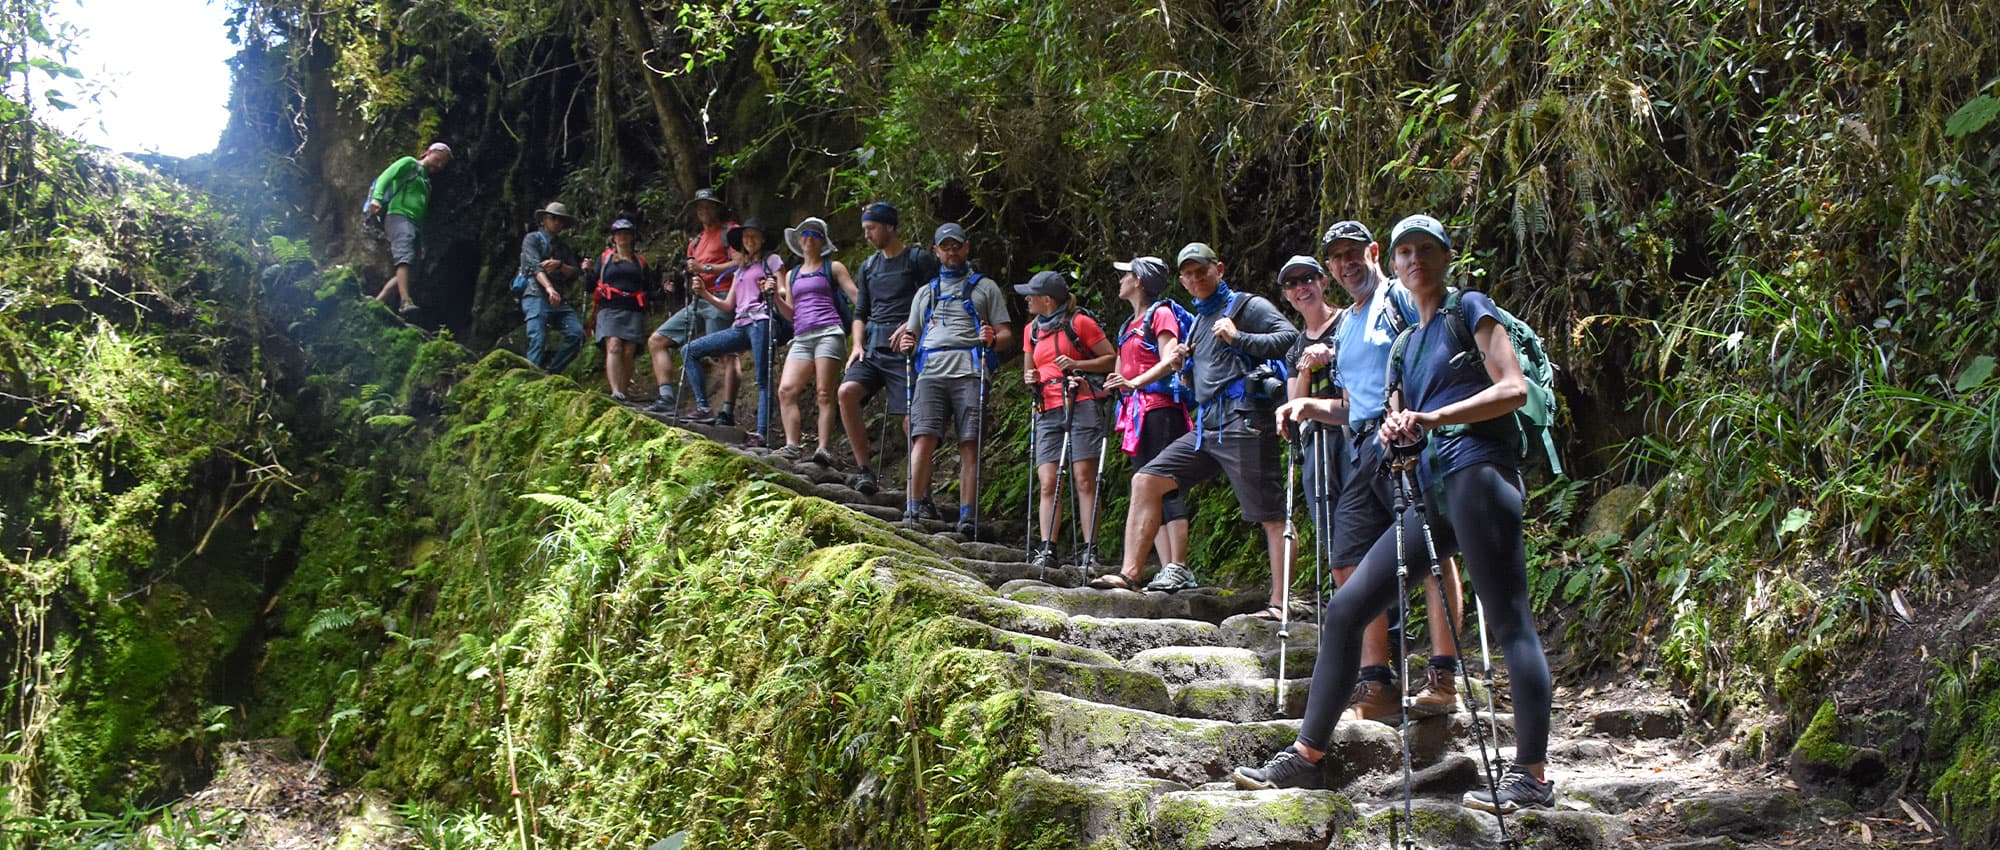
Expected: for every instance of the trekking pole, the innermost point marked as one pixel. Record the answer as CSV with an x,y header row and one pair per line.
x,y
1322,521
909,438
1404,477
1402,504
1285,568
978,440
1062,462
764,399
1034,479
1097,488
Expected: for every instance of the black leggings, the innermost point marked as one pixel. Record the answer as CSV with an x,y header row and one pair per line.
x,y
1481,520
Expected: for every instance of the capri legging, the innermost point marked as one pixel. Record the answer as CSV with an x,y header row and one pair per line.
x,y
1482,522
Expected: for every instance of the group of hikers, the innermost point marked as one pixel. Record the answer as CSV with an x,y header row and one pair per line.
x,y
1398,407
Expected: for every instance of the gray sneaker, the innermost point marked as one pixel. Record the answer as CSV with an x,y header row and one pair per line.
x,y
790,452
1173,577
1287,769
1518,790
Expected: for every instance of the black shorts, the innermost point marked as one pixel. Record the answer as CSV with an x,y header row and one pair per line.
x,y
878,369
1158,429
1245,452
1364,510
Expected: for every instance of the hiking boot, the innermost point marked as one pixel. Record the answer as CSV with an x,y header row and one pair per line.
x,y
1439,695
726,418
1087,558
408,310
701,416
1518,790
619,397
1173,577
1373,700
1287,769
821,459
790,452
921,510
662,405
754,441
863,482
967,527
1045,556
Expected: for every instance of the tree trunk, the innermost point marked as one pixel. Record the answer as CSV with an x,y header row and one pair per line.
x,y
674,130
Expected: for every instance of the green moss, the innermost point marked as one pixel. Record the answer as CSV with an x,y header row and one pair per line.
x,y
1820,742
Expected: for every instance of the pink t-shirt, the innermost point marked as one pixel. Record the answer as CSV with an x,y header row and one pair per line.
x,y
748,291
1134,359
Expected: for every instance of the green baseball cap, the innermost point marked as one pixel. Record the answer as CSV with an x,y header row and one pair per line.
x,y
1196,251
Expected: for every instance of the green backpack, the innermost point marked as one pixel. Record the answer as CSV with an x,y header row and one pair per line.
x,y
1533,425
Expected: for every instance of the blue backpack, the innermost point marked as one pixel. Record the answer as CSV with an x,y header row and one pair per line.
x,y
964,298
1174,385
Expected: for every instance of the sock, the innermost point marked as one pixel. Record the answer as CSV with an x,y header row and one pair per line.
x,y
1447,663
729,408
1377,673
910,506
964,513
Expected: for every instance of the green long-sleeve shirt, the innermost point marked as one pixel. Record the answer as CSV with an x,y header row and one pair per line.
x,y
404,189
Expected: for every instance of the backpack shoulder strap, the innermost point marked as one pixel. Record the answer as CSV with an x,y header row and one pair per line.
x,y
1460,329
1394,386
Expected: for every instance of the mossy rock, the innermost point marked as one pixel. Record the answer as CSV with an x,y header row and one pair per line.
x,y
1823,763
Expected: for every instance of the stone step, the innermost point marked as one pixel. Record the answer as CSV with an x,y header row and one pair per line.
x,y
1240,700
1012,574
1098,741
1107,813
1124,637
1211,604
977,635
1109,683
1446,824
1249,630
1293,819
1182,665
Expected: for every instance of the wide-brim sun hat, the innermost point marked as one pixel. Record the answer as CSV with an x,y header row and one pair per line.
x,y
793,241
556,209
735,235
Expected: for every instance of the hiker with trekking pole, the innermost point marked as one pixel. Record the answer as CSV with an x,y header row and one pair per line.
x,y
1351,354
702,265
1453,386
1063,346
956,323
1237,383
752,275
1152,408
887,281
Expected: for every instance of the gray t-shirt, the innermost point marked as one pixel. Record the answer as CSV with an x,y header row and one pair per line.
x,y
1261,332
945,343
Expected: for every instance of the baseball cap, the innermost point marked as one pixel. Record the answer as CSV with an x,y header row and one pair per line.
x,y
881,211
623,224
1196,251
948,230
439,147
1350,230
1418,225
1301,261
1151,271
1050,283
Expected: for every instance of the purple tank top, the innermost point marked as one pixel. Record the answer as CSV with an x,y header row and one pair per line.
x,y
812,300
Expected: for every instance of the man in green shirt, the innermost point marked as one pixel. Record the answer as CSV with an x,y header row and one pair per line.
x,y
404,191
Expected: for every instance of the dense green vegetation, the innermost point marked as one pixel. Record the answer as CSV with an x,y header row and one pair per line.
x,y
1762,240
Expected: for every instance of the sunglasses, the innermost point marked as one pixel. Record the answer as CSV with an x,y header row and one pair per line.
x,y
1297,281
811,234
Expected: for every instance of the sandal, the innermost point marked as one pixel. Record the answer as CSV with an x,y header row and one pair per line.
x,y
1271,613
1111,581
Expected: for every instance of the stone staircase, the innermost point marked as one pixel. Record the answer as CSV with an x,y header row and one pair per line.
x,y
1149,700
